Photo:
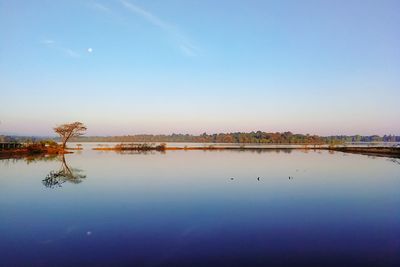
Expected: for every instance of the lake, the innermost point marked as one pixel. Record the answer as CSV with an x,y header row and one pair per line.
x,y
200,208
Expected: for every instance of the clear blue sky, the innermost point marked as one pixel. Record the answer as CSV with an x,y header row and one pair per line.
x,y
189,66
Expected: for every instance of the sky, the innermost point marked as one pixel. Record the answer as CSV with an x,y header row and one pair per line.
x,y
194,66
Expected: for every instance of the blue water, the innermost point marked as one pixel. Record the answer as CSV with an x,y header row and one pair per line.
x,y
201,208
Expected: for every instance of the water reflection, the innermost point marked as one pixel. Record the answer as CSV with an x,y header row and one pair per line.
x,y
195,208
395,161
233,150
64,174
34,159
28,159
139,152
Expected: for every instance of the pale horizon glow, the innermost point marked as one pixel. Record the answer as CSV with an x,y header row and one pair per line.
x,y
162,67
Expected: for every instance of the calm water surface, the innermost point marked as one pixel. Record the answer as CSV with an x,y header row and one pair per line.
x,y
200,208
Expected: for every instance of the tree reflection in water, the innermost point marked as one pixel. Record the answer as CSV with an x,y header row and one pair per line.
x,y
64,174
395,160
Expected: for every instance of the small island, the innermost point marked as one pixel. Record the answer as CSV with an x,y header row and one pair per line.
x,y
15,149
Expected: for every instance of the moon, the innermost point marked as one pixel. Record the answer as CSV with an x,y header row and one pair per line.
x,y
90,50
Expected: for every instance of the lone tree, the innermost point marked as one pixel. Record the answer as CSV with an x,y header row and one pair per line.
x,y
66,131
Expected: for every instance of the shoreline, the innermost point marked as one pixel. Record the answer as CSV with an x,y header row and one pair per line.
x,y
392,152
371,151
24,152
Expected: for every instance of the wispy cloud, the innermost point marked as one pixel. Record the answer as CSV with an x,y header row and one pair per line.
x,y
184,44
106,10
188,49
53,45
147,15
99,6
48,42
71,53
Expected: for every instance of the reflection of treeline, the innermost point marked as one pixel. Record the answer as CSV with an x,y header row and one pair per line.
x,y
239,137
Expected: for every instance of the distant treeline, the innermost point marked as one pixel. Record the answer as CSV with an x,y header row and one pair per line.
x,y
360,138
24,139
240,137
237,137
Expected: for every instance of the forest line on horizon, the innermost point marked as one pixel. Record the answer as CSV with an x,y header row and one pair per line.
x,y
235,137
